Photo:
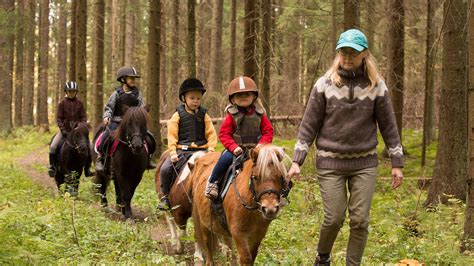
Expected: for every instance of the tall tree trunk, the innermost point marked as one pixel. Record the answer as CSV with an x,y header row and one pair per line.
x,y
250,41
19,39
370,20
395,59
98,67
334,30
216,46
7,7
175,55
114,25
163,55
130,21
28,74
203,53
72,42
154,69
468,237
43,59
450,172
430,55
266,47
62,50
351,14
233,49
81,48
191,40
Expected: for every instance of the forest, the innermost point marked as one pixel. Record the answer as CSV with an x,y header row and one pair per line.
x,y
423,50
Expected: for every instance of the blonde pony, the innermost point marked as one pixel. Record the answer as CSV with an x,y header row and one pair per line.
x,y
370,70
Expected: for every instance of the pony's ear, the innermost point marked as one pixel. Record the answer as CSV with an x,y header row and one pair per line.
x,y
280,152
254,154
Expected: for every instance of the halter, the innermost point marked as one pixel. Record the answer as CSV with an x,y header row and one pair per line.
x,y
74,145
255,204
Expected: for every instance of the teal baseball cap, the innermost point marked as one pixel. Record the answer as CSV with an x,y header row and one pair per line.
x,y
354,39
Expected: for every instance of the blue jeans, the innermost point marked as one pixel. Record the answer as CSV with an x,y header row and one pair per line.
x,y
221,167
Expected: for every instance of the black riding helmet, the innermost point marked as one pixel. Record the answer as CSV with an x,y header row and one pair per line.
x,y
190,84
71,86
126,71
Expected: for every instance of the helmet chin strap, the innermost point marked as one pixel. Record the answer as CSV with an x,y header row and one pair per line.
x,y
125,82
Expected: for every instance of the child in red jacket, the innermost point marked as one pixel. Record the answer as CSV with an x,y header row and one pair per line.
x,y
245,126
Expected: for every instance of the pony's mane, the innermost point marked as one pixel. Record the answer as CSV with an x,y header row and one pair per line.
x,y
82,128
133,116
267,155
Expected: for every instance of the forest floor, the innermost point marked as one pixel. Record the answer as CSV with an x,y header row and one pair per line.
x,y
38,225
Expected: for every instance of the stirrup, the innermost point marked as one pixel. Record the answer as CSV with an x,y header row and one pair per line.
x,y
165,204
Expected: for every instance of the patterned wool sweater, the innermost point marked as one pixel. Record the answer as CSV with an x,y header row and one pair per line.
x,y
344,122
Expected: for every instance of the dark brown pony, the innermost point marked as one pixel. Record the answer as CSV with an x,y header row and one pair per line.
x,y
181,206
252,202
73,156
129,161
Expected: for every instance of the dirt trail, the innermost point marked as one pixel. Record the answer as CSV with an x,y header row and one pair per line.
x,y
159,232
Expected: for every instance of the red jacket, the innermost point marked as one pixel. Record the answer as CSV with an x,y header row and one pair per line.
x,y
70,110
228,128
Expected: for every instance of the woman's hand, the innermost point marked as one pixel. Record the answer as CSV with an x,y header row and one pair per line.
x,y
174,158
397,177
293,172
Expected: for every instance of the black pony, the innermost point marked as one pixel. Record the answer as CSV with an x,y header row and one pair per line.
x,y
73,156
128,162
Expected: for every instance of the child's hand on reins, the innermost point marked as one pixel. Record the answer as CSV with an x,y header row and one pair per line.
x,y
237,151
174,158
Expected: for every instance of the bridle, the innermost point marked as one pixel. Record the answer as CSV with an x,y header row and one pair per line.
x,y
129,138
256,196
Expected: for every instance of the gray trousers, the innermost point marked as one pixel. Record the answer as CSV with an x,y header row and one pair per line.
x,y
334,185
55,143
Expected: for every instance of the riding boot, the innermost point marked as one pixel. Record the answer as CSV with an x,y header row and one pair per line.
x,y
212,190
150,164
165,203
52,165
99,163
322,259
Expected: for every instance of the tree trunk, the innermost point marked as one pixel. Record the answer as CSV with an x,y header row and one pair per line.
x,y
467,242
351,14
175,56
72,42
81,48
28,74
191,40
114,24
215,76
430,55
19,39
154,69
62,50
233,49
43,59
203,53
266,47
334,30
163,53
370,29
130,30
450,172
395,55
7,7
98,67
250,41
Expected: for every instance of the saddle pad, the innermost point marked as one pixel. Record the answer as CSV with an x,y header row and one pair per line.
x,y
186,170
97,142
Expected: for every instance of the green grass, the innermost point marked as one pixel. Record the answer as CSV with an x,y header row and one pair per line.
x,y
38,227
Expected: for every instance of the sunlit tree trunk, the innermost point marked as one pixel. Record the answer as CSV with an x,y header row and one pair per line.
x,y
62,51
81,48
72,41
191,39
215,75
43,59
266,49
250,41
28,74
233,49
19,45
98,67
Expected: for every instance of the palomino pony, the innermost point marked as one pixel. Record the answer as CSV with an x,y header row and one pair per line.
x,y
73,156
128,162
181,205
252,202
